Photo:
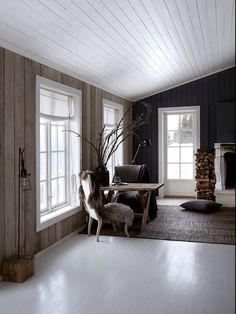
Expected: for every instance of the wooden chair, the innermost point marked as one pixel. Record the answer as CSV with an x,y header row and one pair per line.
x,y
113,213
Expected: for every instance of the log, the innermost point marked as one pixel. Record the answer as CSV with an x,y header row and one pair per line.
x,y
205,174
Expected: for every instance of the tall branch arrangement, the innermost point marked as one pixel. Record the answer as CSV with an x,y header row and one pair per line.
x,y
107,143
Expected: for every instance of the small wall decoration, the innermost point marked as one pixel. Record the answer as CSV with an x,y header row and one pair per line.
x,y
23,174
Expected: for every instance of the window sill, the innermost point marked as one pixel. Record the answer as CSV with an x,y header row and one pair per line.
x,y
56,216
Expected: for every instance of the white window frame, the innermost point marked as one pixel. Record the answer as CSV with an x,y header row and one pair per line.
x,y
120,109
46,220
161,132
52,208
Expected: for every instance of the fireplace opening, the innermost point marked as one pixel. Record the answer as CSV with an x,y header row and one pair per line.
x,y
230,170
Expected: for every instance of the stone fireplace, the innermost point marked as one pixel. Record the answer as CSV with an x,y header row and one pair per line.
x,y
225,170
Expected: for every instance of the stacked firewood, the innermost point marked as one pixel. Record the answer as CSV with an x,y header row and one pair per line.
x,y
205,174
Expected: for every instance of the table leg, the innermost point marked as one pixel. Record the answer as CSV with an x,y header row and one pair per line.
x,y
109,198
145,201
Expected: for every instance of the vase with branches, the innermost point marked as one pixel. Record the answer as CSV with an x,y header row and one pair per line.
x,y
107,143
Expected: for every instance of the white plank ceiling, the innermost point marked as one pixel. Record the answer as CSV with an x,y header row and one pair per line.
x,y
131,48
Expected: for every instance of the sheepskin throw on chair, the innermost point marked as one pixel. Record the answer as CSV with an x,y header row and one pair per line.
x,y
114,213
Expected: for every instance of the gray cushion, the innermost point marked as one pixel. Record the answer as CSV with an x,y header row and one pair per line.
x,y
203,205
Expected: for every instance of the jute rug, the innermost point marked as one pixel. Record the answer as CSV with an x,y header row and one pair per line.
x,y
175,223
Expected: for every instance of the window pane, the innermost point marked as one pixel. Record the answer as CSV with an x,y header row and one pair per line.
x,y
43,196
173,154
173,122
186,154
43,137
53,165
173,138
54,192
107,130
61,138
186,121
109,116
61,190
187,138
118,157
173,171
53,137
43,166
186,171
61,164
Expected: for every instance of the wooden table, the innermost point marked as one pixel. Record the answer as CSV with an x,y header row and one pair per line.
x,y
144,190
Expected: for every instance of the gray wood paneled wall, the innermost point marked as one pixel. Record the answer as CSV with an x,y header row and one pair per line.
x,y
17,129
208,93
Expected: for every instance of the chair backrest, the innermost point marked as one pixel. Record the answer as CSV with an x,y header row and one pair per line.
x,y
128,173
90,194
135,174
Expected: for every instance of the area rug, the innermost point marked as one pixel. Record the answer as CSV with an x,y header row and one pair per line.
x,y
176,223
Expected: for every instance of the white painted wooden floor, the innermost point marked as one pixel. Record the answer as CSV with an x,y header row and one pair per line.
x,y
126,276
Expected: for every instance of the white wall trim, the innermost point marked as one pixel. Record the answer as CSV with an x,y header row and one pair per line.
x,y
50,219
161,112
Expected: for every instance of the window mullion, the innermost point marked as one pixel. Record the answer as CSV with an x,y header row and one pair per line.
x,y
165,142
49,198
57,164
180,162
67,161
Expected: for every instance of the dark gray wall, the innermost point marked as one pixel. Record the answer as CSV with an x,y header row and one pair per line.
x,y
216,96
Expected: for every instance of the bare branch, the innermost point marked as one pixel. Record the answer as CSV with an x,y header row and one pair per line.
x,y
83,138
107,144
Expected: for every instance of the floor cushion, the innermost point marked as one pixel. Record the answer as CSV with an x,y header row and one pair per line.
x,y
201,205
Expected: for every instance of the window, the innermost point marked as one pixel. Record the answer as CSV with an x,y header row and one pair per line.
x,y
54,152
112,113
180,146
58,151
179,138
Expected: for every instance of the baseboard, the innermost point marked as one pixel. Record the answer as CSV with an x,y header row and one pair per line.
x,y
60,241
178,197
225,197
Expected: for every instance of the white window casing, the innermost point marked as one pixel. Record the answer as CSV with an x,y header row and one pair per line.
x,y
58,108
162,113
112,114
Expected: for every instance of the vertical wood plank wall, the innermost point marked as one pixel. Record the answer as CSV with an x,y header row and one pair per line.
x,y
206,93
17,129
2,189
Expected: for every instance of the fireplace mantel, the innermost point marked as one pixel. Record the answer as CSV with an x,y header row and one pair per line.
x,y
220,150
223,195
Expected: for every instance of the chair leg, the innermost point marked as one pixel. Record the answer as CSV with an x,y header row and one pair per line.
x,y
114,227
99,228
126,230
89,225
